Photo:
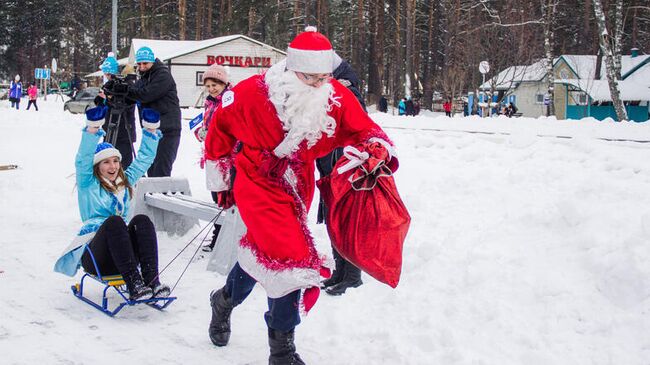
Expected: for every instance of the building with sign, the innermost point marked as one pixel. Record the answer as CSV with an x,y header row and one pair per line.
x,y
188,60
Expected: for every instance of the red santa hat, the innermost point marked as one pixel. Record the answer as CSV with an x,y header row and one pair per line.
x,y
310,52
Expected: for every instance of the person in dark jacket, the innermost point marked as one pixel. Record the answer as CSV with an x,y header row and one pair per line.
x,y
156,89
345,274
125,111
383,104
410,109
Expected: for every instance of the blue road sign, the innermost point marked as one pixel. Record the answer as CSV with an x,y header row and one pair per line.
x,y
42,73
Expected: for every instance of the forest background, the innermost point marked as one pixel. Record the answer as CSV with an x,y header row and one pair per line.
x,y
428,48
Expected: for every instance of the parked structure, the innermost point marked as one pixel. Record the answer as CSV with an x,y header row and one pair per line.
x,y
578,91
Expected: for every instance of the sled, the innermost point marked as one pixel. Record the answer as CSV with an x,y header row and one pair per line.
x,y
114,283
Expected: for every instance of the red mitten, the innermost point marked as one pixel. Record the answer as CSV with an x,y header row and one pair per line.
x,y
225,199
273,167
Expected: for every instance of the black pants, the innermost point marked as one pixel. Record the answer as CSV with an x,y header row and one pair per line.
x,y
283,314
166,154
32,102
118,248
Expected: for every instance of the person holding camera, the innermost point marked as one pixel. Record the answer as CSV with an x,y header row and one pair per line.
x,y
121,111
156,89
105,190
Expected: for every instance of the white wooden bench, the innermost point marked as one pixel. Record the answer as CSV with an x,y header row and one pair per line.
x,y
168,202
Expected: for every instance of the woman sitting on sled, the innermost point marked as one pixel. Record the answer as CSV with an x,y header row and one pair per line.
x,y
105,190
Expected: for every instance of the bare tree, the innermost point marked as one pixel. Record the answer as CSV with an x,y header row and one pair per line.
x,y
549,9
606,48
182,9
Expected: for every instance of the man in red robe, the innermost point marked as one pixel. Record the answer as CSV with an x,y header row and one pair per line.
x,y
284,120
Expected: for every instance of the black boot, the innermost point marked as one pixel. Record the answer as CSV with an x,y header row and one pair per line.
x,y
222,306
283,350
351,279
150,277
135,286
337,275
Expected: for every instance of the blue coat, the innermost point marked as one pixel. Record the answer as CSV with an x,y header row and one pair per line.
x,y
16,90
401,108
95,203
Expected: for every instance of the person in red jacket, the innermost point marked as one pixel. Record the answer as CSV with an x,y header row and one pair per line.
x,y
285,119
447,107
32,93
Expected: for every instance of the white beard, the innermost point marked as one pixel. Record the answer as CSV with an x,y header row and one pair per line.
x,y
302,109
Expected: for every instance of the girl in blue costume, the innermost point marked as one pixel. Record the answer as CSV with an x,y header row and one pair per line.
x,y
104,194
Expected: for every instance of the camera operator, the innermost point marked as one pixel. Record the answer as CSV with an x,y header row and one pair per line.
x,y
156,89
120,109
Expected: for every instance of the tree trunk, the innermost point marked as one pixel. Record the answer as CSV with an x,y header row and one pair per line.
x,y
208,26
549,10
397,56
427,75
410,19
374,82
182,8
606,49
200,5
618,37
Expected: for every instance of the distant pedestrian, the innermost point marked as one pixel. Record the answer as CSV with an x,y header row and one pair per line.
x,y
511,110
447,107
416,107
401,107
410,109
32,92
16,92
383,104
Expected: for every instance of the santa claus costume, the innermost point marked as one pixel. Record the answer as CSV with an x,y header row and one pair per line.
x,y
285,119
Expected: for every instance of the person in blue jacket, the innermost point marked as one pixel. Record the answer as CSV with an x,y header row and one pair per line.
x,y
401,107
105,190
15,92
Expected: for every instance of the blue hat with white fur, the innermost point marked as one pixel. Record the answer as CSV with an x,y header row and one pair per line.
x,y
105,150
144,54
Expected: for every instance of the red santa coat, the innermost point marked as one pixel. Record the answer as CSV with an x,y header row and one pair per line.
x,y
278,250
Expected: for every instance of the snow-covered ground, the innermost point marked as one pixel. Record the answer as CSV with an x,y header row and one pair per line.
x,y
523,249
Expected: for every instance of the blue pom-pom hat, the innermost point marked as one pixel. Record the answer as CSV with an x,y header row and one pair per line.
x,y
105,150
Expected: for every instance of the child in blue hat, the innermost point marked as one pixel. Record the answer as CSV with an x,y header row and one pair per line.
x,y
105,191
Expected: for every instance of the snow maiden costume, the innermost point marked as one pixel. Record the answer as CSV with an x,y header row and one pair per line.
x,y
104,213
283,125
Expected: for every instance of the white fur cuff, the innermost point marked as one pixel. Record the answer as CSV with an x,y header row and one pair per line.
x,y
95,123
150,125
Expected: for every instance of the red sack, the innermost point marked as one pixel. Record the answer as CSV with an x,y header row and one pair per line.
x,y
367,220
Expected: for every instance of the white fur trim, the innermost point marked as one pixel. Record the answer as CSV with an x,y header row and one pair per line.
x,y
277,283
215,179
106,153
150,125
95,123
312,62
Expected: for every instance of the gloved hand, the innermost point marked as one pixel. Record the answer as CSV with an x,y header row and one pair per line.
x,y
200,133
225,199
273,167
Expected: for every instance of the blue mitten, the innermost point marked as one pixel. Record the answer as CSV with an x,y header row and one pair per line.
x,y
95,116
150,118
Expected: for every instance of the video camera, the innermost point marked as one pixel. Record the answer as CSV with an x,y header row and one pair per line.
x,y
118,85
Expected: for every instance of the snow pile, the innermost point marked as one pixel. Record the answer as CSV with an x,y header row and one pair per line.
x,y
522,250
